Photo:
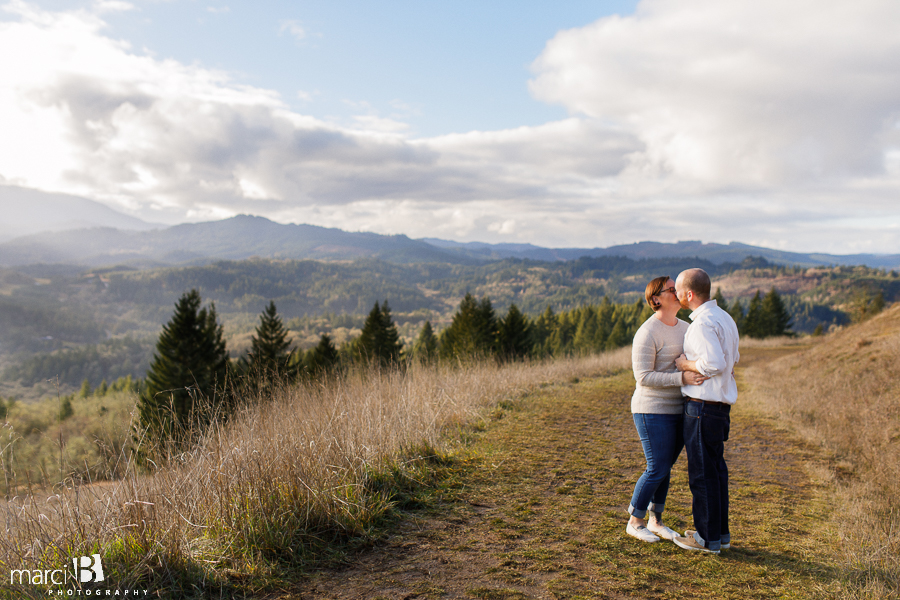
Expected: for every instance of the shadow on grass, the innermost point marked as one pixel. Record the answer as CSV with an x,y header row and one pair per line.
x,y
800,566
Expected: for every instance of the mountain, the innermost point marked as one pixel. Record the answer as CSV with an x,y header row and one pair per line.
x,y
246,236
716,253
236,238
27,212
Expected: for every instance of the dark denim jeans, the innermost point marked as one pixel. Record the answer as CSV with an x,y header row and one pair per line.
x,y
661,437
706,428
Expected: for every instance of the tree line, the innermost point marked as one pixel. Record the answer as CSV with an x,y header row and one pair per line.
x,y
191,367
191,377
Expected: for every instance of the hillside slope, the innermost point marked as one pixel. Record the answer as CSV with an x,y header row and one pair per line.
x,y
843,395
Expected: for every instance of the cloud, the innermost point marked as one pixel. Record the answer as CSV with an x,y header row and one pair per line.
x,y
762,93
757,122
293,28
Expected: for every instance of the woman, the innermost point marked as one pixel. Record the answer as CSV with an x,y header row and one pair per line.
x,y
657,407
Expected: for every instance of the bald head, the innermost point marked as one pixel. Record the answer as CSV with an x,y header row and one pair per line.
x,y
696,281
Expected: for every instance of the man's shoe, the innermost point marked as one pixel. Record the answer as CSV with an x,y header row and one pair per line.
x,y
691,543
691,532
641,533
662,531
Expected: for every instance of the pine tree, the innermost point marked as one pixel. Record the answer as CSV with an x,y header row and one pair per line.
x,y
605,317
425,348
541,329
190,364
720,300
514,334
379,341
473,331
754,321
586,331
269,347
65,409
563,337
618,337
85,390
736,310
776,316
323,358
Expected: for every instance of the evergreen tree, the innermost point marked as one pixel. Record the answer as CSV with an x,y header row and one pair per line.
x,y
618,337
65,409
754,321
720,300
269,347
425,348
515,334
379,341
190,363
323,358
563,337
736,310
541,329
776,317
102,389
473,331
586,331
85,390
605,317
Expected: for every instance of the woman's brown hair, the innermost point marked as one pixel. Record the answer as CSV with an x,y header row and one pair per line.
x,y
654,288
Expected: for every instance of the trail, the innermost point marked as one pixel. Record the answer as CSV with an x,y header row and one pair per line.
x,y
542,515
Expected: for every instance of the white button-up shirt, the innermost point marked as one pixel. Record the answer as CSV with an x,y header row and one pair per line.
x,y
712,341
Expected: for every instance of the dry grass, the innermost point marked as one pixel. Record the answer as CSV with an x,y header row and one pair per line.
x,y
843,394
289,480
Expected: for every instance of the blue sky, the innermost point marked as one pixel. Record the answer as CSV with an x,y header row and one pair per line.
x,y
440,67
582,124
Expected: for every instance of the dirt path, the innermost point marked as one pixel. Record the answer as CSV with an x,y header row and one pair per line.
x,y
542,515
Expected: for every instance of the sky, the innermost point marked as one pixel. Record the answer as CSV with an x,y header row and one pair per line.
x,y
571,124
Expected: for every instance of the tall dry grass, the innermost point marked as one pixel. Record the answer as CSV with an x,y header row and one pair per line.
x,y
289,478
843,394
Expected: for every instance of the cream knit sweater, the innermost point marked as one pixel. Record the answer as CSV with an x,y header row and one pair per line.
x,y
656,346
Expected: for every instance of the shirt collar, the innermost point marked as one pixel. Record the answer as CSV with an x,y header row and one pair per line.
x,y
702,309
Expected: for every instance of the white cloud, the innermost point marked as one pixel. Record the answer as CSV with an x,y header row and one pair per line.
x,y
760,122
761,93
104,6
294,28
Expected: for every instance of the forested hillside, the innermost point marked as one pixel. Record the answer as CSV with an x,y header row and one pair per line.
x,y
102,324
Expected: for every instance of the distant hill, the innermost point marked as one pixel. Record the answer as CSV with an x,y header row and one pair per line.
x,y
236,238
243,237
27,212
716,253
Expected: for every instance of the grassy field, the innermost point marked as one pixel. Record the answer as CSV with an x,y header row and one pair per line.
x,y
504,482
541,514
290,483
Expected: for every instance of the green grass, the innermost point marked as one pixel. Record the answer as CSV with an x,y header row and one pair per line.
x,y
543,514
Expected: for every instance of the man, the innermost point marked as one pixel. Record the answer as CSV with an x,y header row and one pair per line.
x,y
711,349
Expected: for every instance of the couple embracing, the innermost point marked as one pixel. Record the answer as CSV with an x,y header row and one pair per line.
x,y
683,398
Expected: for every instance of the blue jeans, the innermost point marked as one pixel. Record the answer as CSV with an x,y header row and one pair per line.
x,y
706,428
662,439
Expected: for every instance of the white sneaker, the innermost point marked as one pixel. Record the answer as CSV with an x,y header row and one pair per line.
x,y
641,533
691,532
662,531
691,543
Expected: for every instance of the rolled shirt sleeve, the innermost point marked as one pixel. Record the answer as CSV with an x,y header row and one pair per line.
x,y
709,356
